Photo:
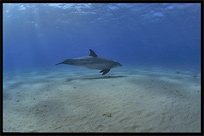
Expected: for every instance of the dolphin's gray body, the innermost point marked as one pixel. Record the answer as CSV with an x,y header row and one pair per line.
x,y
94,62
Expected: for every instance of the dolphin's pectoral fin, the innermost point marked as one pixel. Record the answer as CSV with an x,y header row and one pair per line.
x,y
105,71
101,71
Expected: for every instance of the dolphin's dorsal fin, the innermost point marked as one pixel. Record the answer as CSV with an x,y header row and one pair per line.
x,y
92,53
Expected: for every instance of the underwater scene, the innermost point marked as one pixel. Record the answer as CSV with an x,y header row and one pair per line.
x,y
102,67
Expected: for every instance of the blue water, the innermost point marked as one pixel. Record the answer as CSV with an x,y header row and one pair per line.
x,y
152,35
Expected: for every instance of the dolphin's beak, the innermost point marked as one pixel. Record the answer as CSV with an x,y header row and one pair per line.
x,y
120,65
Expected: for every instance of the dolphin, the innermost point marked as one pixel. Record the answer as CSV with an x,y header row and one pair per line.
x,y
93,61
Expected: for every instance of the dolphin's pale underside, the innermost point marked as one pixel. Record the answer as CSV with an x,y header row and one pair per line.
x,y
93,62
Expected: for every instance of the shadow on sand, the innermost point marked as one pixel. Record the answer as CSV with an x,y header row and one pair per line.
x,y
93,78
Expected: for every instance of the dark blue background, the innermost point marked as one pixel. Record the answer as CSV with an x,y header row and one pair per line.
x,y
159,34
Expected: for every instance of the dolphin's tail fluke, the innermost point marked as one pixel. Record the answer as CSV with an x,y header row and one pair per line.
x,y
59,63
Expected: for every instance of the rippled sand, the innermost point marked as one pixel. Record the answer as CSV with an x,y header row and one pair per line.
x,y
82,100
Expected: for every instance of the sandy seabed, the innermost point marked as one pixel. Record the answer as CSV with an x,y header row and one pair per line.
x,y
82,100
